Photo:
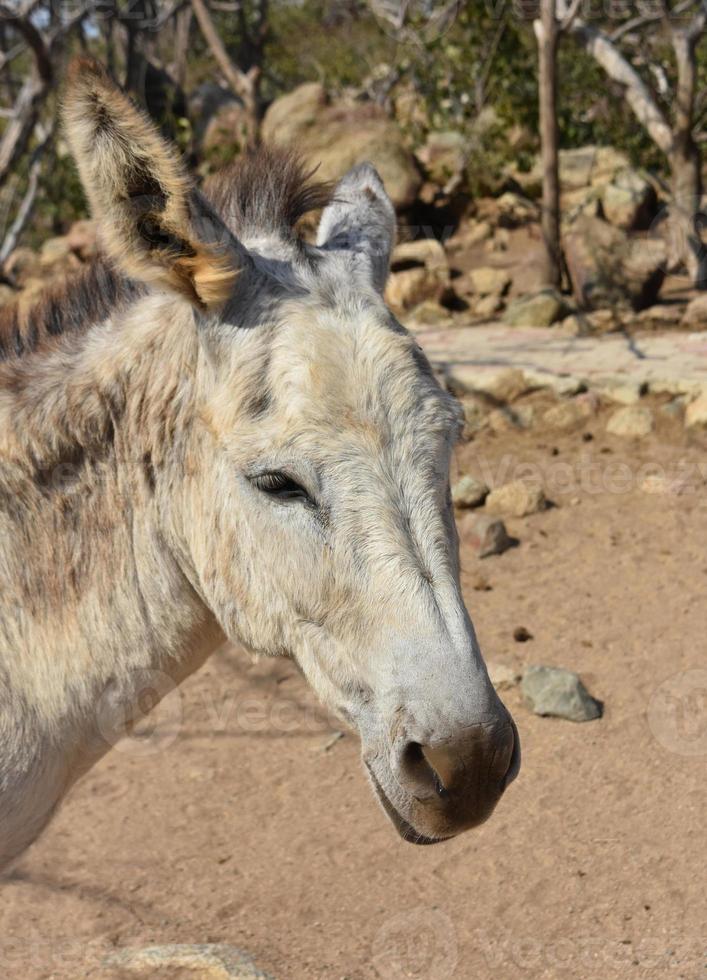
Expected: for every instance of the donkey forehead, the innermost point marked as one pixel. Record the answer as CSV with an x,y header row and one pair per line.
x,y
343,366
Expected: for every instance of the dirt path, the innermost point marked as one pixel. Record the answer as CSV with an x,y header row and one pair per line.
x,y
253,826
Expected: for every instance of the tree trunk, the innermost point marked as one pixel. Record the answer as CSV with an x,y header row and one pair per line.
x,y
686,164
547,34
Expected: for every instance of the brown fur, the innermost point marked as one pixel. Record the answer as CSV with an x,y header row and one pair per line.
x,y
85,298
267,189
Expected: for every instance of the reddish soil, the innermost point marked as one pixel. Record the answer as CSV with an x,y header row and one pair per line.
x,y
253,827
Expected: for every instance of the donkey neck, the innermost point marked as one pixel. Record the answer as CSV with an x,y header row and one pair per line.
x,y
95,435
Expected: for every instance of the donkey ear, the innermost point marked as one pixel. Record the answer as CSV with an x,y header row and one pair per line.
x,y
361,220
154,224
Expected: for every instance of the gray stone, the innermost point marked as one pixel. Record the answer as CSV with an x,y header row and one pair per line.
x,y
539,309
558,693
485,535
469,492
609,269
202,961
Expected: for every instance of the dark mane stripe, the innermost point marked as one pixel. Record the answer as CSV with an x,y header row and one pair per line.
x,y
83,299
266,189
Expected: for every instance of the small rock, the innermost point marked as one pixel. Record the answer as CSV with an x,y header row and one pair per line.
x,y
565,416
516,499
522,635
502,676
626,391
696,413
469,492
558,693
539,309
430,313
485,535
202,961
631,422
488,281
505,385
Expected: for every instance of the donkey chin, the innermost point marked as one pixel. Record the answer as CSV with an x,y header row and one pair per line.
x,y
432,792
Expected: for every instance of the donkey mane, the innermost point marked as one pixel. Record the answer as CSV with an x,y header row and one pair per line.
x,y
85,298
266,190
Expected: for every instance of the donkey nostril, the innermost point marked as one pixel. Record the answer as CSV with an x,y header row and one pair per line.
x,y
420,771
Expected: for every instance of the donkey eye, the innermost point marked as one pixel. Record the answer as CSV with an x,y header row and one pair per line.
x,y
281,485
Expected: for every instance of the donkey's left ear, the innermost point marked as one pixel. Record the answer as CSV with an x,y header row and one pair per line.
x,y
361,220
154,225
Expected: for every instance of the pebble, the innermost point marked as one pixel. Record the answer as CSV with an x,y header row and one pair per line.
x,y
516,499
522,635
469,492
559,693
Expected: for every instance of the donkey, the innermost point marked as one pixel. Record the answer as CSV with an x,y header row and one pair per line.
x,y
220,432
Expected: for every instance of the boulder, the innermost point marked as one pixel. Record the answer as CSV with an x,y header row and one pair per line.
x,y
335,137
469,492
696,312
489,281
580,168
539,309
625,391
419,272
514,210
631,422
608,269
629,201
558,693
443,157
516,499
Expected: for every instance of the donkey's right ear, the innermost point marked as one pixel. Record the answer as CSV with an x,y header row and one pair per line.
x,y
360,221
153,223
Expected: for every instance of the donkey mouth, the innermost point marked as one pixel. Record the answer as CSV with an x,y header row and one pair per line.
x,y
405,829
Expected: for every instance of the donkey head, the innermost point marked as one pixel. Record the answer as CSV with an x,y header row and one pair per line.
x,y
315,513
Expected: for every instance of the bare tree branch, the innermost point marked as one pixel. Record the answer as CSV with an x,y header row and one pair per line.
x,y
25,209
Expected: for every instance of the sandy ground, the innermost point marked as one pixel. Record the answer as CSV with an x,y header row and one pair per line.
x,y
242,820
